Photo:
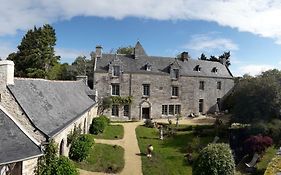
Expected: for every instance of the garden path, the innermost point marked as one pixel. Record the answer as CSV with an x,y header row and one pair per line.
x,y
130,145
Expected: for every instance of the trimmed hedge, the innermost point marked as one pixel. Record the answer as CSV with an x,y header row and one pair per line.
x,y
215,159
81,147
99,124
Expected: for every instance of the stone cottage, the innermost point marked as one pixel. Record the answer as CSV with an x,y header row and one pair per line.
x,y
45,109
160,86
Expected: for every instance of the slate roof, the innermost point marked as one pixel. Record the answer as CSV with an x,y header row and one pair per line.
x,y
160,65
51,105
14,144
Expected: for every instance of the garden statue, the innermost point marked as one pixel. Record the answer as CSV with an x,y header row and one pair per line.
x,y
149,151
161,132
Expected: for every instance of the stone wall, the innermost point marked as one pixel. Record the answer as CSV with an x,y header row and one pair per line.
x,y
29,166
160,92
84,122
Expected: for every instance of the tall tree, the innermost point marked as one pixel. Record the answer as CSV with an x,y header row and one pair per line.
x,y
226,56
36,56
129,50
258,98
202,57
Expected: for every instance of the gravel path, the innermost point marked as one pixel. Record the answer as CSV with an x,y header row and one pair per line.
x,y
130,144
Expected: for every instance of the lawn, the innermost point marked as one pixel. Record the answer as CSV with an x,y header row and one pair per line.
x,y
168,155
104,158
111,132
266,159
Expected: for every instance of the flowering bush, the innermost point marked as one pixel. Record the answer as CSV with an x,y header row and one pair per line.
x,y
257,144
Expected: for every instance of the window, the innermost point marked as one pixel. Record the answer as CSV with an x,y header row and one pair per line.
x,y
197,68
171,110
164,109
115,89
175,91
146,89
116,71
215,70
201,103
115,110
201,85
219,85
126,110
175,73
219,104
177,109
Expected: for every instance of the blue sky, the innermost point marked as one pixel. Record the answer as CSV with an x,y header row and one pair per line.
x,y
250,29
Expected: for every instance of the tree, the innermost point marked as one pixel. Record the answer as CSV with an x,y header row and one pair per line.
x,y
213,58
215,159
257,144
36,56
226,56
129,50
257,98
202,57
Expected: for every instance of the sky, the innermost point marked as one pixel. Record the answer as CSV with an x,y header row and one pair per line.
x,y
249,29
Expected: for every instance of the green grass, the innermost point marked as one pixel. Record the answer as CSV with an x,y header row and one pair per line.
x,y
104,158
168,155
266,159
111,132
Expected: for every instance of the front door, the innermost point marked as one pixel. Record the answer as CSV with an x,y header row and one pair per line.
x,y
145,113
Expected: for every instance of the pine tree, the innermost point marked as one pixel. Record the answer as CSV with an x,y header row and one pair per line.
x,y
36,56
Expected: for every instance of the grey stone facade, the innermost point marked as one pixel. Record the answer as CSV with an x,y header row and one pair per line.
x,y
138,69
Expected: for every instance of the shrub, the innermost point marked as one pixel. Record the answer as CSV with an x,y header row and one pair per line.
x,y
257,144
51,164
149,123
81,147
99,124
64,167
274,131
215,159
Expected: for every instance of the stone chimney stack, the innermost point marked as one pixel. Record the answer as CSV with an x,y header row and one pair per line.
x,y
7,72
184,56
83,78
98,51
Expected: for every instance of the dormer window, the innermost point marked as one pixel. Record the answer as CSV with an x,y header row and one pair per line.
x,y
175,73
116,71
197,68
148,67
215,69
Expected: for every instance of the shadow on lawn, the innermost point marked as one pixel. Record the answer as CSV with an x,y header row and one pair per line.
x,y
149,138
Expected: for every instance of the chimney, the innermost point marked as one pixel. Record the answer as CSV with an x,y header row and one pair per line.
x,y
83,78
184,56
7,72
98,51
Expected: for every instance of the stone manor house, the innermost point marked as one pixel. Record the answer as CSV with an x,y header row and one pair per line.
x,y
160,86
34,111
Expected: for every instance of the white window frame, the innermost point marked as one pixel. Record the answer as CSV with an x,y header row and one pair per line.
x,y
114,90
116,71
146,90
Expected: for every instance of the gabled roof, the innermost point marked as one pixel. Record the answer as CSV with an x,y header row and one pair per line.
x,y
15,145
51,105
160,65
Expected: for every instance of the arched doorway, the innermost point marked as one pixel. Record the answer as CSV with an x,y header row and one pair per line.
x,y
145,110
62,147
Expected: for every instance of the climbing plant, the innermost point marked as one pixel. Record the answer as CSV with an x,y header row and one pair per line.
x,y
118,100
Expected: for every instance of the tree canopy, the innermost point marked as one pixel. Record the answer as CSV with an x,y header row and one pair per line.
x,y
125,50
257,98
36,56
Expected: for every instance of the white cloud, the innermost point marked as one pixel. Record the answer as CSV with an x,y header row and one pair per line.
x,y
69,55
260,17
208,43
254,69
